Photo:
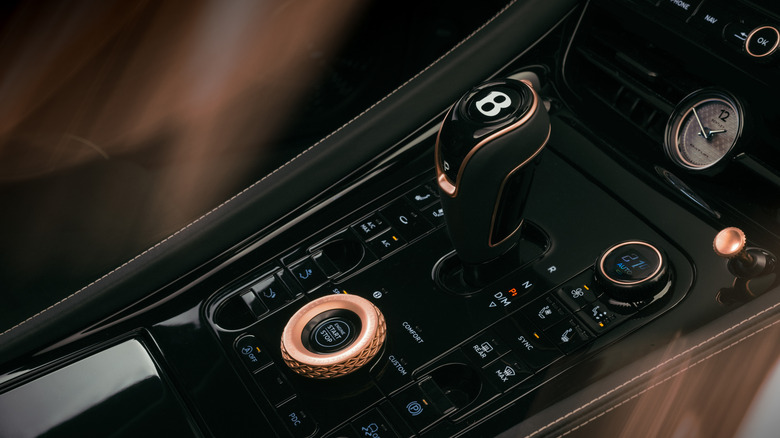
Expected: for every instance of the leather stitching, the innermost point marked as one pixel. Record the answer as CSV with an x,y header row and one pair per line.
x,y
239,194
657,367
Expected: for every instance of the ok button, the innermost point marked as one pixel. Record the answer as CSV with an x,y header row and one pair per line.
x,y
762,42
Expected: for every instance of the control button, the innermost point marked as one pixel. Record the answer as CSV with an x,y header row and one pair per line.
x,y
544,311
681,9
297,419
435,214
422,197
415,408
253,356
633,272
406,220
274,385
373,424
255,305
568,335
395,373
579,292
530,345
507,372
762,42
485,348
370,227
308,274
386,243
736,34
272,292
599,317
712,18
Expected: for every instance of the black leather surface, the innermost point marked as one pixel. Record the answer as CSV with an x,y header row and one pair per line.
x,y
266,203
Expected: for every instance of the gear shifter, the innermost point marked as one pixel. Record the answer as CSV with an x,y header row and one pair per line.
x,y
485,154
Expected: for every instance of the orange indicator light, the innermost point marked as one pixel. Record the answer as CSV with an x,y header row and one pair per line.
x,y
395,238
585,286
537,336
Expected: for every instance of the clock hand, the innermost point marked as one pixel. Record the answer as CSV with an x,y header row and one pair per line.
x,y
720,131
702,131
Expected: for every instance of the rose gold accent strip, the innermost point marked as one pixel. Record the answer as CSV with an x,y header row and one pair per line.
x,y
501,191
634,242
371,337
444,182
753,32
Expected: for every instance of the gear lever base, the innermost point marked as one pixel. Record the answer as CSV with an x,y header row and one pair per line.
x,y
457,277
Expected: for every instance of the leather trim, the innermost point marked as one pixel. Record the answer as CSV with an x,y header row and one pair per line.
x,y
653,371
402,111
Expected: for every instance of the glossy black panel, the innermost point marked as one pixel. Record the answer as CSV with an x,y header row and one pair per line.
x,y
118,392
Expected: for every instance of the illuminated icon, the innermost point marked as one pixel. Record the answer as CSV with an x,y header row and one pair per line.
x,y
509,371
598,315
269,293
414,408
566,336
486,347
438,213
446,166
577,293
545,312
337,290
305,274
403,220
492,304
370,430
512,292
246,350
377,294
552,269
386,244
422,198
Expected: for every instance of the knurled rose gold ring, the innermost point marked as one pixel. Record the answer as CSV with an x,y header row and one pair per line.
x,y
351,356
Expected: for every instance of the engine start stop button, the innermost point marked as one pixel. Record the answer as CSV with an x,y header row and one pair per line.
x,y
332,334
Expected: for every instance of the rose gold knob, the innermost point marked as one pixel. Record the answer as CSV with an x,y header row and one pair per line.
x,y
333,336
730,243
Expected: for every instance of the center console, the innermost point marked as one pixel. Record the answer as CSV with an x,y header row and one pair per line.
x,y
552,228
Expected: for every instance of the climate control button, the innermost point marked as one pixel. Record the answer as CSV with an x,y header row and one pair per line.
x,y
633,272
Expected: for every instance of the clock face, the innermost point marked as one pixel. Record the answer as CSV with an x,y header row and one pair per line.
x,y
703,129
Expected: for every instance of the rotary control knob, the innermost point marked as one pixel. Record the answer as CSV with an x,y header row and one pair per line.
x,y
633,271
333,336
730,243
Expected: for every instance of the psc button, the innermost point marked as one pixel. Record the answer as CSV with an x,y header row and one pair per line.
x,y
762,42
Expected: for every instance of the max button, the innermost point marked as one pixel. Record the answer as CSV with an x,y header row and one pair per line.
x,y
507,372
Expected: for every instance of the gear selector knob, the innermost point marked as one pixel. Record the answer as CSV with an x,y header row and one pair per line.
x,y
485,154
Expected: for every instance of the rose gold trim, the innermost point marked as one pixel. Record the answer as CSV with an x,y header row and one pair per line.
x,y
363,348
634,242
444,183
730,243
753,32
501,190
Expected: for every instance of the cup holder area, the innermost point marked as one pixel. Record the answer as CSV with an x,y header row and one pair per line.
x,y
459,382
